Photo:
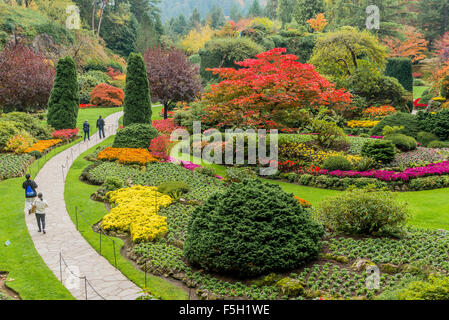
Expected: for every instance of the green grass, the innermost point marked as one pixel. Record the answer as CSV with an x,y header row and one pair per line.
x,y
418,91
92,114
33,280
77,194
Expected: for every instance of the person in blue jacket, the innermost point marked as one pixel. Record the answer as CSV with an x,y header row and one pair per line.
x,y
100,126
86,128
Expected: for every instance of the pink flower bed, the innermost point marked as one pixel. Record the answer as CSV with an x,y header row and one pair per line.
x,y
188,165
384,175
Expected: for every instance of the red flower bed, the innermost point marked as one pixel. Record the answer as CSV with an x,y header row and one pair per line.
x,y
165,125
85,106
65,134
419,105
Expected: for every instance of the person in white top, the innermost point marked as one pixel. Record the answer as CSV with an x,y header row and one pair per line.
x,y
40,205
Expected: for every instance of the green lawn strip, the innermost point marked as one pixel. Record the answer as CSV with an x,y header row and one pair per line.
x,y
33,279
92,114
156,109
77,194
418,91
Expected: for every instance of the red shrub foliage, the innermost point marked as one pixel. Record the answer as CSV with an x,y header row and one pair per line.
x,y
107,96
26,79
271,83
160,146
165,125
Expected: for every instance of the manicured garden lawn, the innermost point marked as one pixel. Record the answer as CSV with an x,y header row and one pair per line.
x,y
92,114
33,280
418,91
77,194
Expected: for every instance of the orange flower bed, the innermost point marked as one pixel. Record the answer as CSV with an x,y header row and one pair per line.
x,y
43,145
127,155
304,203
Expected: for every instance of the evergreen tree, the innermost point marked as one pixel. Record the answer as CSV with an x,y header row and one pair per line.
x,y
64,98
137,104
307,9
236,13
433,17
255,10
195,19
147,36
271,9
284,11
218,19
180,26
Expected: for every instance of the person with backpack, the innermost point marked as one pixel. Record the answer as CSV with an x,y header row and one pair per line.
x,y
100,126
86,129
30,192
40,205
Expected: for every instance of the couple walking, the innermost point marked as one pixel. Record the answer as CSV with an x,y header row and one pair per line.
x,y
100,127
35,202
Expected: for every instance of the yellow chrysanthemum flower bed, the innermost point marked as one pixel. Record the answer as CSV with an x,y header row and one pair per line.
x,y
135,211
362,123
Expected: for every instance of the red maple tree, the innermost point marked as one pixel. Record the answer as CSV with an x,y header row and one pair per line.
x,y
107,96
272,82
412,46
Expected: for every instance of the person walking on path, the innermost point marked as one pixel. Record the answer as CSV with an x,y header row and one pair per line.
x,y
100,126
86,128
40,205
30,187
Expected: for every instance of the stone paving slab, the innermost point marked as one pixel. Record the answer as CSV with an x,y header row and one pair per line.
x,y
63,238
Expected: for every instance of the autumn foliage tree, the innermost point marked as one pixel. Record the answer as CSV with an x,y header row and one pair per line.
x,y
319,23
26,79
173,78
413,45
272,84
107,96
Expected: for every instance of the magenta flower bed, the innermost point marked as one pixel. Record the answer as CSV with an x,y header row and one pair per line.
x,y
188,165
411,173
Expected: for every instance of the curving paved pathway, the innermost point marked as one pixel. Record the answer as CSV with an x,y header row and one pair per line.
x,y
63,238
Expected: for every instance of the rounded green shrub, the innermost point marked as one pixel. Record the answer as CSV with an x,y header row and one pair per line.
x,y
136,135
8,129
402,142
436,288
407,120
173,187
438,144
207,171
337,163
36,154
426,137
363,211
379,150
251,228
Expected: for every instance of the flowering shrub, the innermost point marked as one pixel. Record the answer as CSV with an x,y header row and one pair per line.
x,y
160,146
300,154
127,155
379,112
43,145
418,157
65,134
362,123
107,96
432,169
170,114
136,212
304,203
19,143
419,105
165,125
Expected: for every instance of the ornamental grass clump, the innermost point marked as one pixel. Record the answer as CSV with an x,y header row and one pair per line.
x,y
365,211
136,211
251,228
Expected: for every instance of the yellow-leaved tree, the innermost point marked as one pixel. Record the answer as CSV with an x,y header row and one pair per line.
x,y
196,39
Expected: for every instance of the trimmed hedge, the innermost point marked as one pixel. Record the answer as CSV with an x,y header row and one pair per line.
x,y
402,142
64,98
379,150
137,135
251,228
409,121
401,69
223,52
137,104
